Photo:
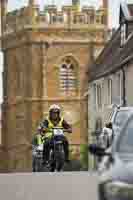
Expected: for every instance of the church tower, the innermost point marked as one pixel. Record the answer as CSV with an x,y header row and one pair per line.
x,y
46,60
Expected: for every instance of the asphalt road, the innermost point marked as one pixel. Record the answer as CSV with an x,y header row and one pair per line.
x,y
48,186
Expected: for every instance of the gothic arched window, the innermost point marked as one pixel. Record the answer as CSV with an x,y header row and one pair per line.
x,y
68,77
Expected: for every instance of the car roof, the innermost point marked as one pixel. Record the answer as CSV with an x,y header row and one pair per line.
x,y
129,109
119,133
126,108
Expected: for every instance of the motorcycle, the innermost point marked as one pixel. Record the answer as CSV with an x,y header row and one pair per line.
x,y
57,154
37,154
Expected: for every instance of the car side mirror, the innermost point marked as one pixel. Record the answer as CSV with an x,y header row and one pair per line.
x,y
98,151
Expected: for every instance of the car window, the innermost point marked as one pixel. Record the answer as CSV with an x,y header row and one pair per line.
x,y
120,118
126,139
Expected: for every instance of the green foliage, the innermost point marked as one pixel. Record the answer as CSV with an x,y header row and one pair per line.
x,y
75,163
84,156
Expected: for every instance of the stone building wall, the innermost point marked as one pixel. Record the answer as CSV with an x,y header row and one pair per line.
x,y
35,47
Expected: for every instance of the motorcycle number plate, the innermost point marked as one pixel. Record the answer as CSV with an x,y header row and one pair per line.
x,y
40,147
58,132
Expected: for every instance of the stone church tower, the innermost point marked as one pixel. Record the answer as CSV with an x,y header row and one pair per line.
x,y
46,60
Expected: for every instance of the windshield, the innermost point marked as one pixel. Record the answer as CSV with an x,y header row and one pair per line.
x,y
126,139
119,120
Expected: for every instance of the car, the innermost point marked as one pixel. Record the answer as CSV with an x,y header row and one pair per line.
x,y
119,118
116,167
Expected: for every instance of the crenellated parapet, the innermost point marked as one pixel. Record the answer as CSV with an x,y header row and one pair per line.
x,y
69,17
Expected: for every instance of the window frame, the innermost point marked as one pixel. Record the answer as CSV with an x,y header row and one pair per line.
x,y
68,78
98,96
121,135
110,91
120,86
123,33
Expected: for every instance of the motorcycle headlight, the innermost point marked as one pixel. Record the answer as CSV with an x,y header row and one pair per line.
x,y
118,189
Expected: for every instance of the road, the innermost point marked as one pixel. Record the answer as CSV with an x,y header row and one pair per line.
x,y
48,186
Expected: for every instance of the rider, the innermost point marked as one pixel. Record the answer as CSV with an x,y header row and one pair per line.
x,y
54,120
106,137
38,138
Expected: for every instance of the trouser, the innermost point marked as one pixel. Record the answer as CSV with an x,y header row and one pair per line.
x,y
33,164
48,144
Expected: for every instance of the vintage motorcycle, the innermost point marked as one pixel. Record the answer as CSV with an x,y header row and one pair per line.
x,y
57,154
37,154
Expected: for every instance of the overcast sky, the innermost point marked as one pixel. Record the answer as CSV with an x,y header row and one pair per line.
x,y
113,14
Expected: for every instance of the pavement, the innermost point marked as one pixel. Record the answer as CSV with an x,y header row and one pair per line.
x,y
48,186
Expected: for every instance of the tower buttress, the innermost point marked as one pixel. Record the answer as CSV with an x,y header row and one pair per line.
x,y
3,12
106,7
105,4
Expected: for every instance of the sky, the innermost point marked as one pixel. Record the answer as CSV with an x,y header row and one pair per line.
x,y
113,15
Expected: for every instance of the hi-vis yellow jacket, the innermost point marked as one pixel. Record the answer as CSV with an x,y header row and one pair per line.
x,y
40,139
48,134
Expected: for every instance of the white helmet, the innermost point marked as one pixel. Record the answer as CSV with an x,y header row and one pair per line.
x,y
54,107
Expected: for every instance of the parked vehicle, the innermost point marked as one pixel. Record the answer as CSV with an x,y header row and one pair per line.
x,y
116,167
118,119
57,154
37,152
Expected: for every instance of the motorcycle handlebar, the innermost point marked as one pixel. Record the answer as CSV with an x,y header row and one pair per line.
x,y
65,130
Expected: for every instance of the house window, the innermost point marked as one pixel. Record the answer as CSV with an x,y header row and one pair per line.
x,y
109,91
123,34
95,94
99,96
119,83
68,78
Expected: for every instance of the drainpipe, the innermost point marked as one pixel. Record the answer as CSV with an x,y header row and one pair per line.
x,y
124,87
